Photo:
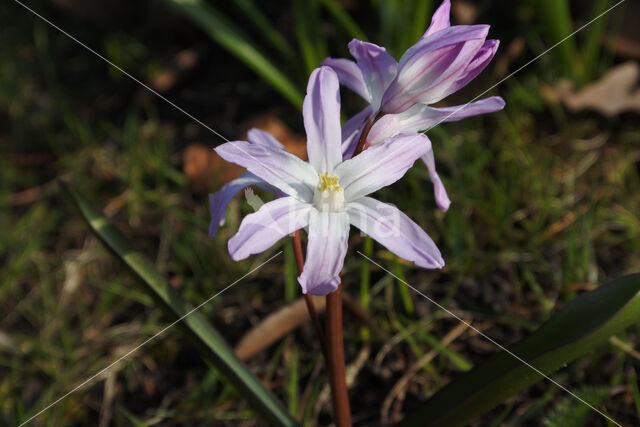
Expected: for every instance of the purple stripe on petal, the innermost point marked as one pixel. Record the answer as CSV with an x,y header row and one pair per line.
x,y
262,229
445,84
432,79
327,247
378,68
396,231
381,165
429,69
321,112
219,201
440,19
447,37
277,167
349,75
477,64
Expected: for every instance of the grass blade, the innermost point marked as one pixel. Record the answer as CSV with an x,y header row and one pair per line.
x,y
228,36
390,32
405,295
555,16
581,325
636,392
344,19
570,412
420,19
459,361
365,283
273,36
312,45
291,287
292,379
591,52
210,342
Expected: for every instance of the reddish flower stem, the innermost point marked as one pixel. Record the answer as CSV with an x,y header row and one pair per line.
x,y
335,340
336,361
365,133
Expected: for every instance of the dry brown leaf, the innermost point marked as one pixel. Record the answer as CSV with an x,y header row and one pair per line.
x,y
181,64
613,94
294,143
514,51
465,12
623,46
275,326
7,342
203,166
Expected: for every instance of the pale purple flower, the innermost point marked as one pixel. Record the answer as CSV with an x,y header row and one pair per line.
x,y
445,59
328,194
219,201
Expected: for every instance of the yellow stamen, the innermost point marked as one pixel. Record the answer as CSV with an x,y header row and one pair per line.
x,y
329,182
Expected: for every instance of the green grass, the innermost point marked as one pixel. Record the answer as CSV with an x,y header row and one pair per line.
x,y
545,205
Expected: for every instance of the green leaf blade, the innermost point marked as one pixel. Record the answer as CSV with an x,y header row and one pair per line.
x,y
210,342
344,19
581,325
229,37
253,12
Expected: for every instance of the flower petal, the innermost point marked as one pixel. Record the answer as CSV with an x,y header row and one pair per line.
x,y
378,68
351,131
326,249
381,165
260,137
429,69
262,229
219,201
421,117
440,19
446,37
459,112
277,167
477,64
396,231
321,112
349,75
442,199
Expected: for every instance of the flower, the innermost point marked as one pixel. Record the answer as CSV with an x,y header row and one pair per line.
x,y
445,59
328,194
219,201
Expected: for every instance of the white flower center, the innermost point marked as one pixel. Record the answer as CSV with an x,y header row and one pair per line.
x,y
329,196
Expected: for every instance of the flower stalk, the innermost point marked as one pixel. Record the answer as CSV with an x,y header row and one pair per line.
x,y
365,132
336,360
335,344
